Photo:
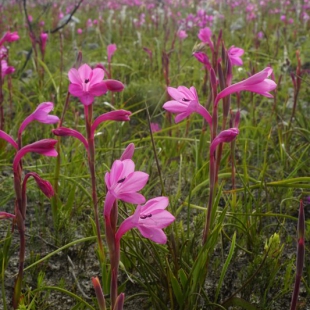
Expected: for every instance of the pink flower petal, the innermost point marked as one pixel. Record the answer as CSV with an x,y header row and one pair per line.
x,y
135,181
87,99
135,198
74,76
180,117
156,235
98,75
128,152
156,203
175,93
116,172
175,106
160,218
85,72
128,167
98,89
76,90
114,85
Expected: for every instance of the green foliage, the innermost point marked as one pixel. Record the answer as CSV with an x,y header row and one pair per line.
x,y
246,262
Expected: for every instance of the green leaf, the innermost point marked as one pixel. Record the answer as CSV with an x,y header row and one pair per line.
x,y
236,301
70,201
176,289
227,262
183,278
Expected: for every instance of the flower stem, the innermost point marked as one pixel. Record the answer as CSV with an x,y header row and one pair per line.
x,y
210,202
91,163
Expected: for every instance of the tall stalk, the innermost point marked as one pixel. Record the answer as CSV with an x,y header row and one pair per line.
x,y
88,111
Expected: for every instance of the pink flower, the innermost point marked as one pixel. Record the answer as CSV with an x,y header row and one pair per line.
x,y
9,37
234,54
3,52
119,303
150,219
45,186
227,135
89,23
147,50
260,35
40,114
122,183
43,40
111,48
5,69
79,31
205,36
155,127
117,115
114,85
86,84
185,103
45,147
99,292
182,34
8,138
203,58
5,215
30,18
257,83
128,152
65,132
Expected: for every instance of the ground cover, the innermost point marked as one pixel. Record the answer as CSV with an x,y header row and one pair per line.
x,y
164,145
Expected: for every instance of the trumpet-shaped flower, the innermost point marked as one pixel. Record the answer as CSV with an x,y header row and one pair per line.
x,y
114,85
203,58
128,152
185,103
227,135
182,34
65,132
205,35
111,49
44,185
117,115
234,54
5,215
9,37
40,114
8,138
86,84
6,69
43,40
123,183
99,293
257,83
45,147
150,219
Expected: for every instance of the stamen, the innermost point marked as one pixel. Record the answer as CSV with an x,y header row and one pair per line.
x,y
186,100
86,81
121,180
143,217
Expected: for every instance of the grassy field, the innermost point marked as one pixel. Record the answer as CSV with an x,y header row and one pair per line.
x,y
162,172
